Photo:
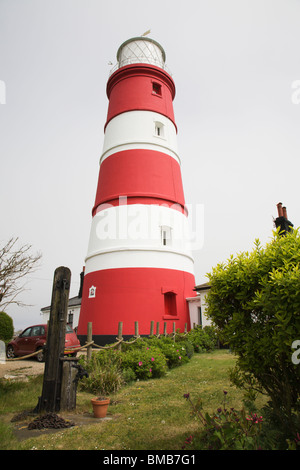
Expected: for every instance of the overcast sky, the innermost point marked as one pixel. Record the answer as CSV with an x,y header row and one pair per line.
x,y
234,63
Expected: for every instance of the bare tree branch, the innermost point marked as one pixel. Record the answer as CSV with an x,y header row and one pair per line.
x,y
15,263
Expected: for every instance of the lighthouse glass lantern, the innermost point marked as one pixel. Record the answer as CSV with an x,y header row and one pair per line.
x,y
138,266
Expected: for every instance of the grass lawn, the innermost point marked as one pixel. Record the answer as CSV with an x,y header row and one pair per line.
x,y
147,415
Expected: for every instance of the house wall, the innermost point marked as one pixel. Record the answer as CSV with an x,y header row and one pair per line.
x,y
75,310
205,320
196,303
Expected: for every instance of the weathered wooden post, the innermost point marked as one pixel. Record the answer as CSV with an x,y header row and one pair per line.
x,y
55,345
174,331
136,329
120,329
152,328
89,339
157,328
165,328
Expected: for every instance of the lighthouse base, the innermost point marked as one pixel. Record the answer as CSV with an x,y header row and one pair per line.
x,y
130,295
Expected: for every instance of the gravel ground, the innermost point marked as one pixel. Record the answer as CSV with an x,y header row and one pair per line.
x,y
24,367
21,368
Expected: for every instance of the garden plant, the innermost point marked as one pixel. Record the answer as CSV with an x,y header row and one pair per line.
x,y
254,302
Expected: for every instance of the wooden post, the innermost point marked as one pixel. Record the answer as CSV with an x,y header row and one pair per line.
x,y
165,328
136,329
51,393
151,328
120,328
174,331
185,328
68,384
89,339
157,328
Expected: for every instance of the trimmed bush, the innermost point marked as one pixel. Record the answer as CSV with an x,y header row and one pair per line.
x,y
203,339
6,327
146,362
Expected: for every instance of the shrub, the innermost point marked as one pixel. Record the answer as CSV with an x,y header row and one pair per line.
x,y
226,429
254,301
6,327
176,353
203,339
128,375
145,362
105,374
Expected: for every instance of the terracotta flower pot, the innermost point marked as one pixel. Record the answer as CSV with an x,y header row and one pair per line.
x,y
100,405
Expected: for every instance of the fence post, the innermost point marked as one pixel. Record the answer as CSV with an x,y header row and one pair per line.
x,y
136,329
185,328
157,328
89,339
165,328
174,331
120,328
151,328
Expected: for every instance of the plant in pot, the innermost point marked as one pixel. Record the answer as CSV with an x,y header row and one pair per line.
x,y
100,405
105,377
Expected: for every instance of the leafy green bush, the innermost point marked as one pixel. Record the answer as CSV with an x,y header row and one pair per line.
x,y
203,339
6,327
175,352
145,362
227,429
254,301
105,374
142,358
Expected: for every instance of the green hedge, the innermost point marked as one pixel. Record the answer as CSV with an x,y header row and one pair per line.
x,y
6,327
142,359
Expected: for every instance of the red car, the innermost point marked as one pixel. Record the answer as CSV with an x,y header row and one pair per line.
x,y
33,339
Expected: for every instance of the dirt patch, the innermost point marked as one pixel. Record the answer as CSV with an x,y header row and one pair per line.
x,y
21,368
25,429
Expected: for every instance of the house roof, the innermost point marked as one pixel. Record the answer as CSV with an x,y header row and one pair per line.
x,y
204,286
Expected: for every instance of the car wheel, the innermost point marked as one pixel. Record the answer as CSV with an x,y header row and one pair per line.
x,y
40,355
10,353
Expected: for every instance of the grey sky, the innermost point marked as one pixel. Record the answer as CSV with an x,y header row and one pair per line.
x,y
233,62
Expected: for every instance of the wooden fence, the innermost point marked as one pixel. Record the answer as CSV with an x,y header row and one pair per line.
x,y
90,344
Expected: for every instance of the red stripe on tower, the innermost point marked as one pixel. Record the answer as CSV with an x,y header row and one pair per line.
x,y
138,266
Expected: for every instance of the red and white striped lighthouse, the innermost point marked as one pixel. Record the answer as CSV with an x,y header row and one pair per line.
x,y
139,266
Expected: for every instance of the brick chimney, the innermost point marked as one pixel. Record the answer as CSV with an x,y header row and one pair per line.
x,y
282,220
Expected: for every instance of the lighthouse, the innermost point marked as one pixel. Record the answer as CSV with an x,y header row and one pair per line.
x,y
139,266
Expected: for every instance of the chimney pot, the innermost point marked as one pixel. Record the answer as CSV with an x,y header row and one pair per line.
x,y
279,208
284,212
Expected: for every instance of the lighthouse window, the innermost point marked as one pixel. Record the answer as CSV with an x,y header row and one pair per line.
x,y
156,88
170,303
159,129
166,236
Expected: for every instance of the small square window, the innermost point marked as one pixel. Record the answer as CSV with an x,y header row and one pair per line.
x,y
159,129
156,88
92,292
166,236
